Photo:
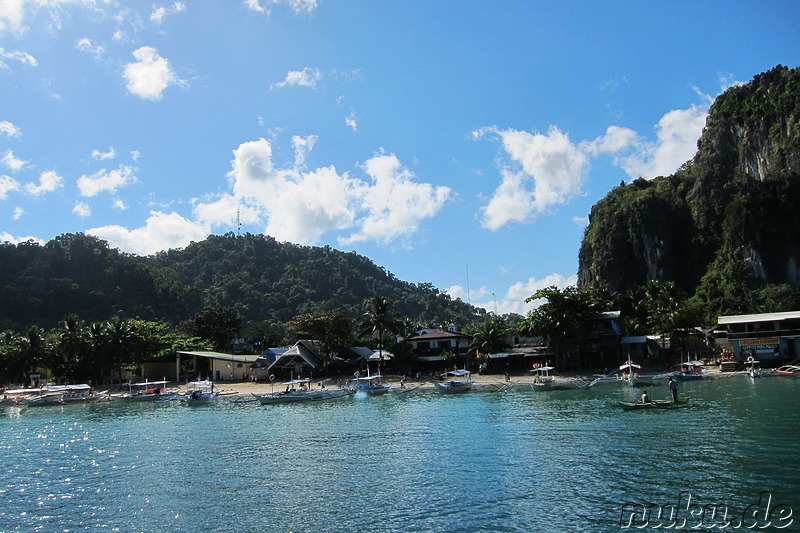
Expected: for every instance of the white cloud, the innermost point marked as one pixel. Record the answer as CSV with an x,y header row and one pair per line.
x,y
548,170
514,299
97,154
22,57
7,185
308,77
105,180
616,139
298,7
119,204
350,121
300,206
17,213
86,46
7,237
82,209
676,143
49,181
9,130
161,232
395,203
12,162
302,146
581,221
150,75
11,14
160,12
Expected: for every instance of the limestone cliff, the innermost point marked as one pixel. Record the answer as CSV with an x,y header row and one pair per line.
x,y
729,216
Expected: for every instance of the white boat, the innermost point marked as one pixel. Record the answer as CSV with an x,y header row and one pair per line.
x,y
200,392
455,381
297,390
66,394
372,385
543,381
147,391
630,372
789,370
690,371
16,396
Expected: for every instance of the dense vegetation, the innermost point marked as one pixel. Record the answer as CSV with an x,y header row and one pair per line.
x,y
263,280
724,228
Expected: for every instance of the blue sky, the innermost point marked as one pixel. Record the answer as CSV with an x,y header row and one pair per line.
x,y
457,143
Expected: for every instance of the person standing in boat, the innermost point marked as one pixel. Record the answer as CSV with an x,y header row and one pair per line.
x,y
645,397
673,388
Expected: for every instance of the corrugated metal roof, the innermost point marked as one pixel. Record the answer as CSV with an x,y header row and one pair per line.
x,y
761,317
224,356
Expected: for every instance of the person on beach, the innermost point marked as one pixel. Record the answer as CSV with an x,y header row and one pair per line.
x,y
673,388
645,397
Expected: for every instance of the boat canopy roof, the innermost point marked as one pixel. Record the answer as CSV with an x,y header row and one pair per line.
x,y
297,382
63,388
146,383
629,365
693,363
459,373
369,378
545,368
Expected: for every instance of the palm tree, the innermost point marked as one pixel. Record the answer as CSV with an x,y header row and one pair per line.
x,y
379,319
120,336
490,337
71,345
33,349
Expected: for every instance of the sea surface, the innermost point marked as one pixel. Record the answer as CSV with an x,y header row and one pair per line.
x,y
509,461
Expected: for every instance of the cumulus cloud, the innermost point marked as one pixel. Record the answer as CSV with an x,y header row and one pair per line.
x,y
543,171
82,209
49,181
160,12
11,14
12,162
394,203
7,237
162,231
150,75
9,130
20,57
97,154
308,77
546,170
7,185
17,213
301,205
106,181
676,143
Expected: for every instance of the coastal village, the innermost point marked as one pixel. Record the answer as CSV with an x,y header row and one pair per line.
x,y
760,345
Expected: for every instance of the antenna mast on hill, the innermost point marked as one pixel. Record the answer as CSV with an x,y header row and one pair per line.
x,y
238,224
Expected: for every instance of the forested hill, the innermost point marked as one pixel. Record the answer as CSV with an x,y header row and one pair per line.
x,y
260,278
726,224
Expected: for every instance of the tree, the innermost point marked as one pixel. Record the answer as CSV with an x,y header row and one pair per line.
x,y
380,320
217,324
332,329
489,337
72,349
559,319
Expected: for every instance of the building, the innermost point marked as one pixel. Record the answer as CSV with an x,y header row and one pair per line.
x,y
186,366
602,333
766,337
431,345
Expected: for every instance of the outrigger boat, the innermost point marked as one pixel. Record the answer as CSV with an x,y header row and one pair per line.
x,y
544,381
690,370
148,391
654,404
297,390
372,385
455,385
200,392
66,394
789,370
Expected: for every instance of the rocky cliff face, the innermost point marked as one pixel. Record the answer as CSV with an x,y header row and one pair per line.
x,y
732,209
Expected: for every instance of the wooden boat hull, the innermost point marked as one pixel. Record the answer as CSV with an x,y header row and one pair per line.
x,y
451,387
656,404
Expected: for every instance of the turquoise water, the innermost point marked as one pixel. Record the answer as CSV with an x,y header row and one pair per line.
x,y
514,461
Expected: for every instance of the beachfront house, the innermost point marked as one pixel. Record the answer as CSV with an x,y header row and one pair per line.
x,y
431,345
767,337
